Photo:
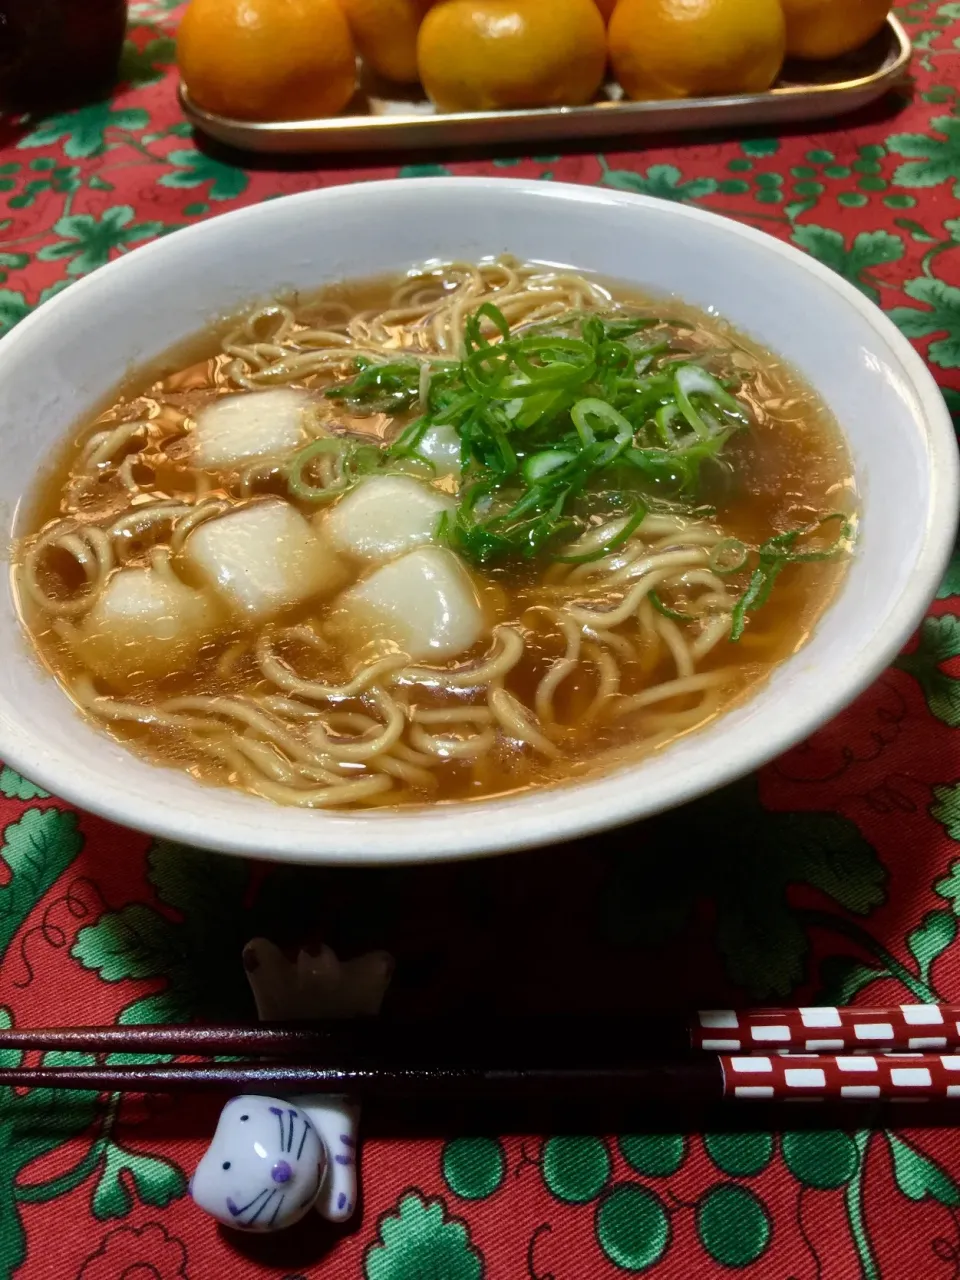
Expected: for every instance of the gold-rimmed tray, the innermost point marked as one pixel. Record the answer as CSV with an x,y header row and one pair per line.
x,y
378,120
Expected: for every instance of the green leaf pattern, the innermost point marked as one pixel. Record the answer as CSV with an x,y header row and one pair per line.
x,y
419,1239
83,133
661,180
919,1177
194,169
941,316
870,249
37,850
16,788
935,933
157,1182
939,643
147,63
763,941
88,242
930,161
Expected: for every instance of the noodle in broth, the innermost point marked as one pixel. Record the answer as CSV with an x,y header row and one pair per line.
x,y
631,611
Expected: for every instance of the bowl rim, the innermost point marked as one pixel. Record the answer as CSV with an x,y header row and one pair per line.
x,y
528,820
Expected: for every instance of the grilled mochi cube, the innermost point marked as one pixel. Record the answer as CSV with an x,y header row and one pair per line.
x,y
235,430
262,559
385,516
143,625
423,604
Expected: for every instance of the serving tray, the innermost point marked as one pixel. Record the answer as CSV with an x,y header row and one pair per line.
x,y
378,120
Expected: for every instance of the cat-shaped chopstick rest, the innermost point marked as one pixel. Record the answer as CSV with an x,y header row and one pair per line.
x,y
274,1159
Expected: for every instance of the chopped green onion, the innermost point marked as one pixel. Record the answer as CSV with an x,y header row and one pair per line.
x,y
673,614
690,380
554,420
614,355
473,328
539,465
381,388
409,439
619,329
614,543
747,601
664,419
730,555
484,369
353,461
660,468
605,415
781,545
301,488
775,555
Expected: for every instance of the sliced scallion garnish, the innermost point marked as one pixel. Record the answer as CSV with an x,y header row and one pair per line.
x,y
775,555
673,614
550,417
730,555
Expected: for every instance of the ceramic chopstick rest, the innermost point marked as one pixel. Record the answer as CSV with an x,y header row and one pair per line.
x,y
272,1160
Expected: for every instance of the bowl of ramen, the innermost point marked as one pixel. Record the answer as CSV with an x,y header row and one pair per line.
x,y
427,519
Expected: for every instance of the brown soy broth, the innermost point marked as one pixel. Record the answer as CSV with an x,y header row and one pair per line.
x,y
790,470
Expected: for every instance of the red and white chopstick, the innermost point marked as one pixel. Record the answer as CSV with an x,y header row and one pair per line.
x,y
822,1077
827,1029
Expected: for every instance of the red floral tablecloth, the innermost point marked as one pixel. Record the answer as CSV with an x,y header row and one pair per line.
x,y
839,880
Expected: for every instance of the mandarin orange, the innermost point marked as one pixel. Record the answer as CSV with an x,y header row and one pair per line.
x,y
267,59
829,28
385,32
486,55
693,48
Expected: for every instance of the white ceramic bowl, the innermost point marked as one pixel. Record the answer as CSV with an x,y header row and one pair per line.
x,y
60,364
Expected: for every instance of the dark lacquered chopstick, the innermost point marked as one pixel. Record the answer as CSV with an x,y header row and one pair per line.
x,y
705,1078
823,1029
380,1038
698,1079
261,1039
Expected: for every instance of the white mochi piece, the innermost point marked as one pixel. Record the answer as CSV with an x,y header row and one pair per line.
x,y
423,604
262,559
238,429
385,516
441,446
144,625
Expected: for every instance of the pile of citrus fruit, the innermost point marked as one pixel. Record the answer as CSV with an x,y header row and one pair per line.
x,y
297,59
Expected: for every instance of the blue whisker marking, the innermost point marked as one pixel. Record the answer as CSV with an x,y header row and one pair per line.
x,y
250,1221
306,1130
293,1117
275,1111
237,1212
273,1216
